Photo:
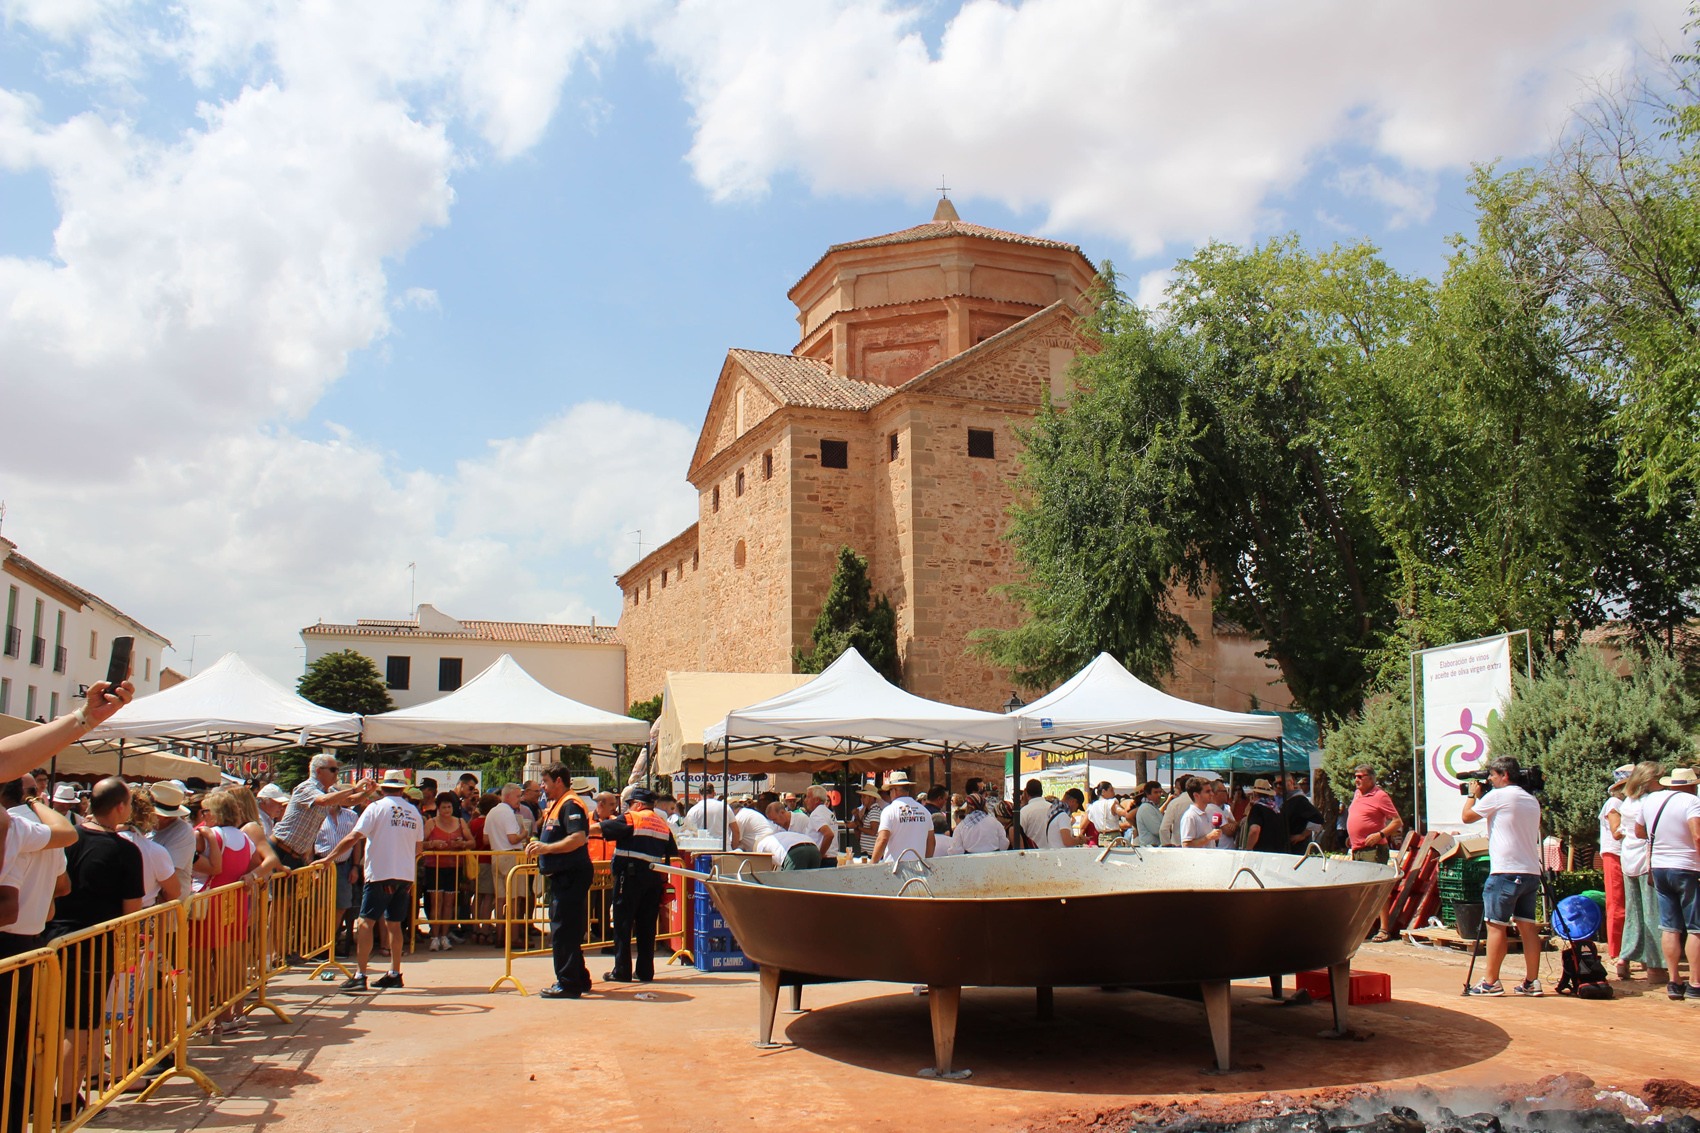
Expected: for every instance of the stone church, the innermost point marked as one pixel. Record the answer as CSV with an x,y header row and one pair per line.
x,y
890,427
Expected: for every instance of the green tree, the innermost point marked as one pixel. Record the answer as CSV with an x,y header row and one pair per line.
x,y
1379,735
853,617
1578,718
345,681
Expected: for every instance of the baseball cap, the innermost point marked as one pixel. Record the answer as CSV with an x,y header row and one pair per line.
x,y
274,792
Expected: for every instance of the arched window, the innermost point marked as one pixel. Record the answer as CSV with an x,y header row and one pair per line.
x,y
738,554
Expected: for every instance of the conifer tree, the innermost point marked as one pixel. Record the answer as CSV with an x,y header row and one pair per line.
x,y
853,617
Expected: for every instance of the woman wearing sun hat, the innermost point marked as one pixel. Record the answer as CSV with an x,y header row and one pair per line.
x,y
1611,865
1670,822
1641,939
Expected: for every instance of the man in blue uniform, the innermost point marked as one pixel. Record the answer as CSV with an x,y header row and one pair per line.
x,y
562,858
642,838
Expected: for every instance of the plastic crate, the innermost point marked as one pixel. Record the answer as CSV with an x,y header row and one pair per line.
x,y
1366,987
706,918
724,962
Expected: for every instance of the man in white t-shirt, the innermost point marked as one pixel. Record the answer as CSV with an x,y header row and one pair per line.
x,y
1221,814
505,831
1036,814
790,849
1669,821
708,814
392,832
35,861
904,823
1196,831
1514,872
750,826
822,826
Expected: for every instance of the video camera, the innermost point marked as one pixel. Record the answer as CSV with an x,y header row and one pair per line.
x,y
1530,779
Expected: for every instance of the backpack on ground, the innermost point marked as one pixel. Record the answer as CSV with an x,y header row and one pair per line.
x,y
1584,976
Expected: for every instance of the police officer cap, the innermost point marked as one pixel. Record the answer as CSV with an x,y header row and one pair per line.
x,y
642,795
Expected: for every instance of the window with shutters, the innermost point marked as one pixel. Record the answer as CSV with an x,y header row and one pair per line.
x,y
397,671
448,673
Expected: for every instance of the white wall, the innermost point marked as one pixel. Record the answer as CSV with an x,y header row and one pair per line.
x,y
590,674
80,668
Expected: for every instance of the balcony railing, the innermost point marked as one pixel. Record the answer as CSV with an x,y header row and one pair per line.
x,y
60,655
38,650
14,640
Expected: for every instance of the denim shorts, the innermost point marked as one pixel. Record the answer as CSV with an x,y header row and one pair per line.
x,y
1679,899
1508,896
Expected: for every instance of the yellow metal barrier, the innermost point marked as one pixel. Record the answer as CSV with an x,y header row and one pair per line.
x,y
29,1006
230,938
301,919
124,1000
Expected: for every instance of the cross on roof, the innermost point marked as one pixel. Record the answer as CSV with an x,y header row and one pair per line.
x,y
944,190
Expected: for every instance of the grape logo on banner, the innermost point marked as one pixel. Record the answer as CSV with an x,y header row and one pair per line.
x,y
1464,687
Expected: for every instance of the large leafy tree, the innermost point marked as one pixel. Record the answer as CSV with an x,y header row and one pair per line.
x,y
345,681
853,617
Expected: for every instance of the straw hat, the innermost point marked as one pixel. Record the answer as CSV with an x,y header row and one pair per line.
x,y
1262,787
395,777
867,790
1680,777
167,801
582,783
65,793
899,778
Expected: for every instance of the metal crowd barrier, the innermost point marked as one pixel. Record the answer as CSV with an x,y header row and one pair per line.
x,y
301,914
29,1005
230,943
122,998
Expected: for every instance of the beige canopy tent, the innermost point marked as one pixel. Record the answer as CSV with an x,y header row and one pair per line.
x,y
79,761
691,702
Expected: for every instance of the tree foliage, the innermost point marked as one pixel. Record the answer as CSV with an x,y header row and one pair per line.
x,y
853,617
345,681
1379,735
1578,718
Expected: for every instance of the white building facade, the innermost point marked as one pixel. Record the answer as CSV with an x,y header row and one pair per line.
x,y
432,654
58,639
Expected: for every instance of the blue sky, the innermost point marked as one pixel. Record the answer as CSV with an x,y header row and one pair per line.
x,y
322,292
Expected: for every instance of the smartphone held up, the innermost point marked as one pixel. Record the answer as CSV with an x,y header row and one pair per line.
x,y
118,667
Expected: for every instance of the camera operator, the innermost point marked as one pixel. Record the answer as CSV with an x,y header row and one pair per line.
x,y
1514,872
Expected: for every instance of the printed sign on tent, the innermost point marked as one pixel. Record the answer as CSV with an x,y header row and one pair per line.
x,y
1463,687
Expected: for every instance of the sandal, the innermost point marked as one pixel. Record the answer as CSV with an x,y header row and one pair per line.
x,y
1380,938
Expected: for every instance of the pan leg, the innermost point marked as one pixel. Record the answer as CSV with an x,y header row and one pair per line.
x,y
942,1002
1218,1010
796,1007
1044,1002
1340,985
1274,987
769,1004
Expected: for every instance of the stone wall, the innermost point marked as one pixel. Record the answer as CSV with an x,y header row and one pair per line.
x,y
746,555
661,625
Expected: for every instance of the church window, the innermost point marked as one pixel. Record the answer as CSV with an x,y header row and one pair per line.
x,y
835,454
738,554
663,580
980,443
694,555
767,465
716,503
891,441
738,483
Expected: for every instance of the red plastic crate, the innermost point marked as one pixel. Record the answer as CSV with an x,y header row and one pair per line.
x,y
1367,987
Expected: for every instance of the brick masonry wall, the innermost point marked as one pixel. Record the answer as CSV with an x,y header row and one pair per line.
x,y
661,626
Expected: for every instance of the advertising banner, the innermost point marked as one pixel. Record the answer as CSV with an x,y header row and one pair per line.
x,y
1463,687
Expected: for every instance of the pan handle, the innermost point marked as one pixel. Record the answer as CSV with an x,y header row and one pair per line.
x,y
1248,870
1304,857
912,881
919,860
1119,844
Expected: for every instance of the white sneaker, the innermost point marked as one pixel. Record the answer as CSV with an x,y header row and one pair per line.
x,y
436,944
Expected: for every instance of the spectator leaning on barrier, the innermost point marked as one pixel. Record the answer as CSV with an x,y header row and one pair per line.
x,y
272,800
1670,823
506,836
309,803
1514,872
339,825
159,872
172,831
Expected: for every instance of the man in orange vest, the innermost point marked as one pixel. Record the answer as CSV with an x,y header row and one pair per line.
x,y
641,839
559,849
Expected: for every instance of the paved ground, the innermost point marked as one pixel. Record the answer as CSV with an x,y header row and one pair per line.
x,y
447,1056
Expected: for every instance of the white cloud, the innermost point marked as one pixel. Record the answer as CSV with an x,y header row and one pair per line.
x,y
1157,121
1409,200
256,534
1149,291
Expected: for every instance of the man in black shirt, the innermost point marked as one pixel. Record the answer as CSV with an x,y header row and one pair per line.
x,y
1300,813
1266,827
105,873
562,858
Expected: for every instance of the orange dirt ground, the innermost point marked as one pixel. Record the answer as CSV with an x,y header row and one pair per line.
x,y
445,1054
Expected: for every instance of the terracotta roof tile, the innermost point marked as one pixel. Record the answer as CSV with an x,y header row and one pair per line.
x,y
940,229
530,633
809,382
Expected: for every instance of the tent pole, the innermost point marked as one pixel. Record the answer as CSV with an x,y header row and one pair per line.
x,y
1014,794
949,813
1281,763
725,796
120,759
844,811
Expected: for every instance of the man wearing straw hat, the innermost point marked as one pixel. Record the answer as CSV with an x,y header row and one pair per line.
x,y
1669,820
904,823
392,831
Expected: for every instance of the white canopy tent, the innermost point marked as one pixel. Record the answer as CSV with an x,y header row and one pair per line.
x,y
229,705
691,702
1104,713
851,714
504,704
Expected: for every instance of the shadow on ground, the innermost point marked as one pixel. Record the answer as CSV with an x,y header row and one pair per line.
x,y
1133,1043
